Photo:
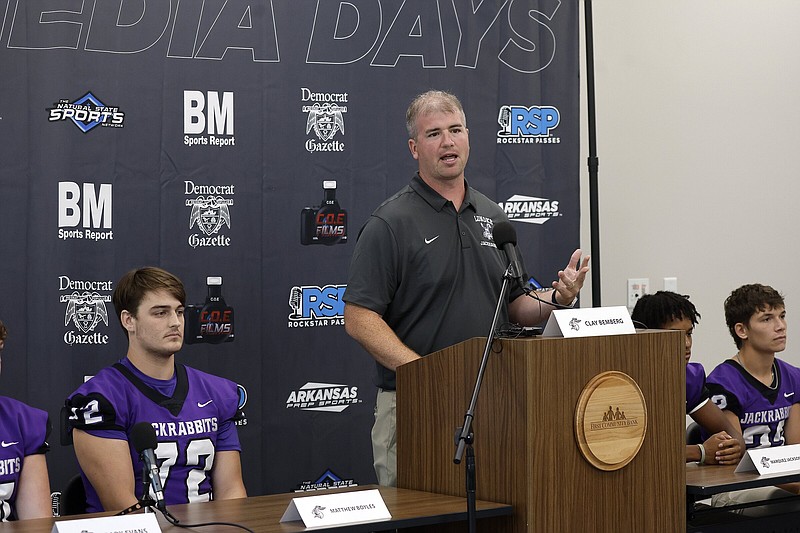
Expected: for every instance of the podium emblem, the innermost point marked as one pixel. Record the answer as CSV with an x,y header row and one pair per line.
x,y
610,420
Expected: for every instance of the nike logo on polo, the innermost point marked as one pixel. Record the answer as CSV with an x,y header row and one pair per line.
x,y
787,394
7,444
204,404
428,241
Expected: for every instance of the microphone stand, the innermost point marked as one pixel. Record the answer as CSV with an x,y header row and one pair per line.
x,y
464,435
147,503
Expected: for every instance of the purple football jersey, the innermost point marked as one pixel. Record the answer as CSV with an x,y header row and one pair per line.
x,y
762,410
23,432
191,425
696,390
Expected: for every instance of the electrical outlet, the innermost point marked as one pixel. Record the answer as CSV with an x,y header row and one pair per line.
x,y
671,284
636,288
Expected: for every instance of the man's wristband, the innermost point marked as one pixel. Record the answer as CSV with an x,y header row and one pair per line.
x,y
702,460
553,299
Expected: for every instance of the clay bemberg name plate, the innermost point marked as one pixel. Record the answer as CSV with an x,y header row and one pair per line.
x,y
610,420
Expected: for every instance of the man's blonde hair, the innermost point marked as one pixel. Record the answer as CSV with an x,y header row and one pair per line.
x,y
432,102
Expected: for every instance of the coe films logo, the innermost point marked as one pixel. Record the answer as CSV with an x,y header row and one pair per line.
x,y
208,119
329,397
527,125
86,205
210,213
325,223
314,306
86,308
325,117
87,112
529,209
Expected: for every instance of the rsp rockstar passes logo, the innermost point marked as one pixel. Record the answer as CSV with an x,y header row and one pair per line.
x,y
529,209
323,397
314,306
87,112
325,116
210,212
86,308
527,125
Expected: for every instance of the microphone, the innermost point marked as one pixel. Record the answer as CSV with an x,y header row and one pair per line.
x,y
143,438
505,237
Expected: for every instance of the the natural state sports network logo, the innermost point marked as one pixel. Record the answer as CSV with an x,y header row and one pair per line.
x,y
87,112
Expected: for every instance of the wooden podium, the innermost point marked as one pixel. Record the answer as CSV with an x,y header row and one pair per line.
x,y
525,444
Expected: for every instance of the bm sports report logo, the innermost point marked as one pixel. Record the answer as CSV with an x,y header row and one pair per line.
x,y
527,125
87,112
210,213
84,211
325,118
208,118
85,309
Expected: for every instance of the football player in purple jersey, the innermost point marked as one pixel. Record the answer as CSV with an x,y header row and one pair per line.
x,y
24,482
193,413
756,391
669,310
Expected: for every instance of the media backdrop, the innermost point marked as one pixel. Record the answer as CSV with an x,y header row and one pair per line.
x,y
197,135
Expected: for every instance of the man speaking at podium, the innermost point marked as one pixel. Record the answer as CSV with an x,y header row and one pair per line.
x,y
426,273
192,412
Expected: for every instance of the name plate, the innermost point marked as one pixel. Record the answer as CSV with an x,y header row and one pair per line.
x,y
775,460
338,509
141,523
589,322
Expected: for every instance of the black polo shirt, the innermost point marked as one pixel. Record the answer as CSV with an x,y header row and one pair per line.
x,y
432,273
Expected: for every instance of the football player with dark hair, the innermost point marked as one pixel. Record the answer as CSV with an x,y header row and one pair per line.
x,y
24,482
669,310
192,412
757,391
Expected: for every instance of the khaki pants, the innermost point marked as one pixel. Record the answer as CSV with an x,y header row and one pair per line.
x,y
384,438
725,499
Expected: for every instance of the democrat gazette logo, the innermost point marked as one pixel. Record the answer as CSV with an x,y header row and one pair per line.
x,y
325,118
87,112
85,309
210,213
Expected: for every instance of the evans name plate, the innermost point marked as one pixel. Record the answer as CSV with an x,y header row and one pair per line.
x,y
144,523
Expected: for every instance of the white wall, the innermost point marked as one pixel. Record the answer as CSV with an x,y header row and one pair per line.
x,y
698,110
